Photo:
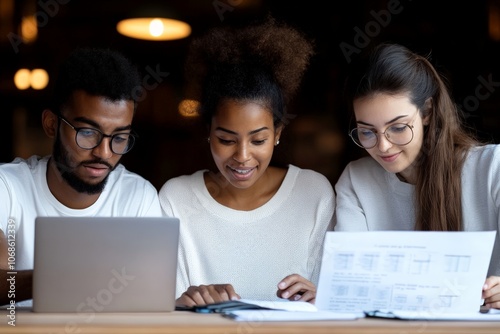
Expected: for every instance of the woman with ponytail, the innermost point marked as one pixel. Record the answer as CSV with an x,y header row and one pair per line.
x,y
424,170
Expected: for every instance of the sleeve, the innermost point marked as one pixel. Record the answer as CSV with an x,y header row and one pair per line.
x,y
5,204
182,281
165,194
495,184
7,229
495,193
165,203
130,194
151,196
349,214
324,223
155,208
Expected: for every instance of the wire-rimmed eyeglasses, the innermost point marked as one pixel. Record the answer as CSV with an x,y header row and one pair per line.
x,y
89,138
398,134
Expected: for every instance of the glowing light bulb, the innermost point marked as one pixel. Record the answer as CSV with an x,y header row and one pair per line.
x,y
39,78
189,108
156,27
22,79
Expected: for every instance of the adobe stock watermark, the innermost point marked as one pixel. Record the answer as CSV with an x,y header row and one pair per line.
x,y
48,9
483,91
373,28
150,81
98,302
11,274
221,7
451,291
103,297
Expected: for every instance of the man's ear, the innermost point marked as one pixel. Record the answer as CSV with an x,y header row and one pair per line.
x,y
50,122
427,112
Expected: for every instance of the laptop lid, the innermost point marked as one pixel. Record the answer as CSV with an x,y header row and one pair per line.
x,y
105,264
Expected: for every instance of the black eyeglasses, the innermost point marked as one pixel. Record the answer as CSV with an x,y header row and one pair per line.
x,y
89,138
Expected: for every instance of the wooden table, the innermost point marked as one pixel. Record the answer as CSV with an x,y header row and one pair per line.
x,y
187,322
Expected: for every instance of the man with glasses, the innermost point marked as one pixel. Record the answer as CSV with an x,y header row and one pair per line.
x,y
90,122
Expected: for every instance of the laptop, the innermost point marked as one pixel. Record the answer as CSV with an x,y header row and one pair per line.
x,y
105,264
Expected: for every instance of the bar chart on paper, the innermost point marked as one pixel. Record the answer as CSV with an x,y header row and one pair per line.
x,y
404,270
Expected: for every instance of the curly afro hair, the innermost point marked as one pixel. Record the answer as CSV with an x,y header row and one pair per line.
x,y
263,62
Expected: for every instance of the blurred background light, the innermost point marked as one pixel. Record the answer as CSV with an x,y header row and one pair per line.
x,y
189,108
37,79
154,29
22,79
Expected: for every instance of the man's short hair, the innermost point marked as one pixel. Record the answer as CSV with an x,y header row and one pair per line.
x,y
98,72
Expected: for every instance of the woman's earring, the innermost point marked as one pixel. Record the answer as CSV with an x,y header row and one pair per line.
x,y
277,143
208,139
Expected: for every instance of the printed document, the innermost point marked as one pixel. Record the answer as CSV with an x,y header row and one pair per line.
x,y
431,273
285,310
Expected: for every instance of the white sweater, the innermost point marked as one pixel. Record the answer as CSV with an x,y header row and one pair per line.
x,y
370,198
252,250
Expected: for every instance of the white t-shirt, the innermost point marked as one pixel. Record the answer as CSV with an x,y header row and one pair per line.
x,y
370,198
252,250
24,195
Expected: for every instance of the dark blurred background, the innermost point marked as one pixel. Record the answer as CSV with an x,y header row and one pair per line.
x,y
462,38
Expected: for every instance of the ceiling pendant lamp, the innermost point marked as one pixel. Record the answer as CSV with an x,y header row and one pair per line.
x,y
153,24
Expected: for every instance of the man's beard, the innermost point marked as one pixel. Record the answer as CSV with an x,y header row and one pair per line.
x,y
63,164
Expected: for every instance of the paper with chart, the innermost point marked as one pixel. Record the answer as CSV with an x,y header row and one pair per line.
x,y
433,272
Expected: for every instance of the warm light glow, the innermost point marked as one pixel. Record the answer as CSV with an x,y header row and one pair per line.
x,y
22,79
36,79
494,22
29,29
155,29
39,78
189,108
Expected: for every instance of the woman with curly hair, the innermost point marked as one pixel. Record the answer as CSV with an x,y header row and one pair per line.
x,y
248,229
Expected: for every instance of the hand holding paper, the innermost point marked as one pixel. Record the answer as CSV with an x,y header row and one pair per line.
x,y
491,292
